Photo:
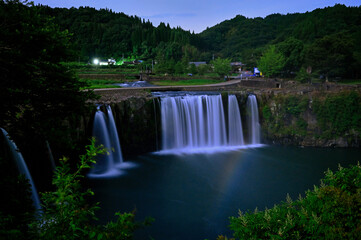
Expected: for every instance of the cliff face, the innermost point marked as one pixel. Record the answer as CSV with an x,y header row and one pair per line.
x,y
138,124
322,119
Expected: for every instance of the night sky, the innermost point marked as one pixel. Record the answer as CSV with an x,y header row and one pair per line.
x,y
197,15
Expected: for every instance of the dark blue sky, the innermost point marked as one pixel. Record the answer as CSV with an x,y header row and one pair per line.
x,y
197,15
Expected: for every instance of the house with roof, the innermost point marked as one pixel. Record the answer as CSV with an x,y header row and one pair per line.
x,y
197,63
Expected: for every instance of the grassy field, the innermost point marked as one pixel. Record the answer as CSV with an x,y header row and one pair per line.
x,y
98,83
186,82
350,81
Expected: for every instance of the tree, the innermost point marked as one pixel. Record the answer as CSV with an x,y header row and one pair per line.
x,y
178,68
193,69
332,55
202,69
67,214
222,66
292,50
39,96
271,63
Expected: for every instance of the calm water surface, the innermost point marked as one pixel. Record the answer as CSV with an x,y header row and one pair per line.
x,y
193,196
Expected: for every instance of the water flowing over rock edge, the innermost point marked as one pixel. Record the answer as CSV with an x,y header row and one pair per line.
x,y
138,121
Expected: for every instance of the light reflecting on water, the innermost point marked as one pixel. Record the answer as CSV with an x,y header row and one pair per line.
x,y
192,196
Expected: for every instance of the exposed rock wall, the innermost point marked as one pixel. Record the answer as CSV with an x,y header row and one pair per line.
x,y
138,122
322,119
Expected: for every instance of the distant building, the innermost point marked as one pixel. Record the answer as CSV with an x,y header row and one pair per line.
x,y
237,66
104,62
111,61
197,63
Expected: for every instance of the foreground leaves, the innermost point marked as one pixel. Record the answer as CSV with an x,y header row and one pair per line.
x,y
331,211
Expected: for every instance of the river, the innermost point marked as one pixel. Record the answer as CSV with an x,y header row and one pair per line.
x,y
192,196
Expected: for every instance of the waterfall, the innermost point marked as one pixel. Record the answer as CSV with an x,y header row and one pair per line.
x,y
22,167
114,138
235,132
193,122
254,130
105,133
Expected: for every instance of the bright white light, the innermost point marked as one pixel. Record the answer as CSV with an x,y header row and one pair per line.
x,y
96,61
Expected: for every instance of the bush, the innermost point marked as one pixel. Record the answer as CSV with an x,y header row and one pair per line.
x,y
332,211
338,114
67,214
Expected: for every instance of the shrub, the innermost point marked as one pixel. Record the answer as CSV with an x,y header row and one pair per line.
x,y
338,114
67,214
332,211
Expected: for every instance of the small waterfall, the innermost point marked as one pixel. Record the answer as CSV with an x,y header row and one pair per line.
x,y
254,130
235,132
50,155
105,132
114,138
193,122
22,167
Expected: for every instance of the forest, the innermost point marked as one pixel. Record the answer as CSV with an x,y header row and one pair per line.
x,y
323,41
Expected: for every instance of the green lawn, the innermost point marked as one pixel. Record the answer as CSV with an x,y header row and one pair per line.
x,y
350,81
186,82
99,83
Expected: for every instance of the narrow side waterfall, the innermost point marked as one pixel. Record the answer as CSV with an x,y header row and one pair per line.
x,y
254,129
235,132
193,122
22,167
114,138
105,132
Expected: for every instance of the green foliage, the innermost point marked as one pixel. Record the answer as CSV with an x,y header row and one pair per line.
x,y
303,76
124,227
104,33
331,211
339,114
222,66
16,209
266,113
294,105
292,50
332,55
284,116
193,69
178,68
271,63
243,39
203,69
66,213
38,94
300,38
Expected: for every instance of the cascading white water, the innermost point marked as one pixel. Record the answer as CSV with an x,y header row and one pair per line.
x,y
235,132
114,138
254,129
22,168
105,133
193,122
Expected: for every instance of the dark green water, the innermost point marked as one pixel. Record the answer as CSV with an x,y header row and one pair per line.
x,y
192,196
